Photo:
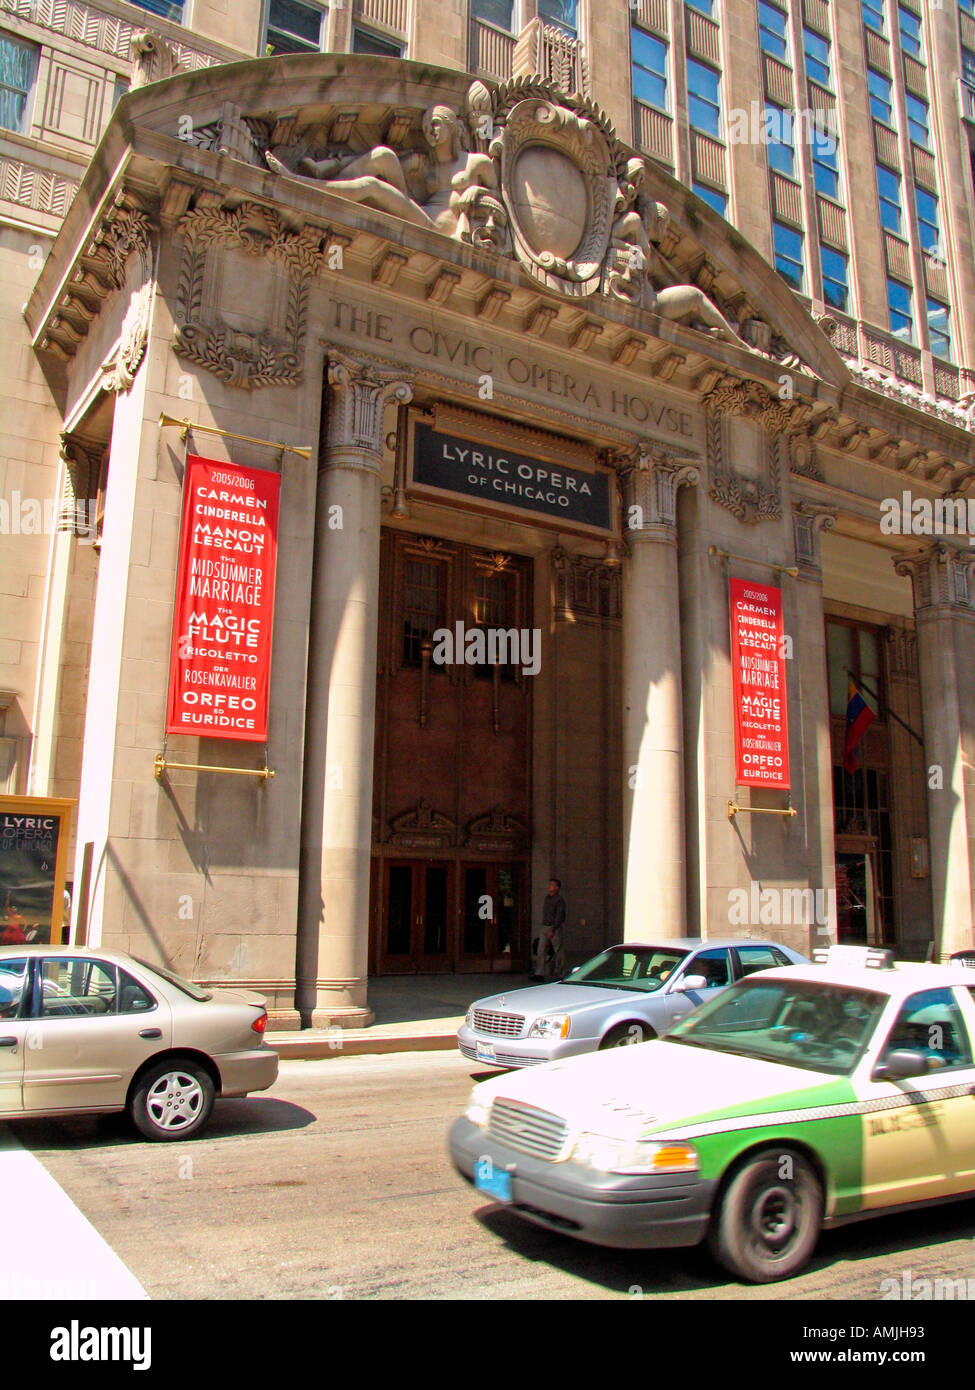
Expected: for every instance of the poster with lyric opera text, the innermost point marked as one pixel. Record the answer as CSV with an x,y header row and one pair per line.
x,y
220,664
759,684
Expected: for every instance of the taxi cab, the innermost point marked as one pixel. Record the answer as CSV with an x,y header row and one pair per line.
x,y
796,1100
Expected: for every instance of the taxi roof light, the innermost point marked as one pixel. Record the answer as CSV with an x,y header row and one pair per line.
x,y
866,957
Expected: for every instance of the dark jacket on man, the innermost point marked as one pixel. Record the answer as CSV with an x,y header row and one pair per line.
x,y
553,911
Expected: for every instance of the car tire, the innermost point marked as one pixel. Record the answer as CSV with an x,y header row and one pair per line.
x,y
625,1034
172,1100
767,1225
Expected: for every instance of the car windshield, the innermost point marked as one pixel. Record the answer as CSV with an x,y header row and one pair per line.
x,y
645,968
800,1023
196,992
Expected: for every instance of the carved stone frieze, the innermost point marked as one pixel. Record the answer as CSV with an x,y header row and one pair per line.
x,y
422,828
804,458
941,576
119,368
274,356
586,589
358,392
650,478
902,653
749,499
83,462
808,523
496,833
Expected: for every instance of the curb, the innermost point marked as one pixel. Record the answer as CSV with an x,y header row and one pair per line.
x,y
291,1048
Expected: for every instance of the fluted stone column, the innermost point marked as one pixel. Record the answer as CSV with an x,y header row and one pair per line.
x,y
944,616
333,911
653,823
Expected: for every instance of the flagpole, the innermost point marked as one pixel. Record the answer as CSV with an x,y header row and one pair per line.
x,y
859,681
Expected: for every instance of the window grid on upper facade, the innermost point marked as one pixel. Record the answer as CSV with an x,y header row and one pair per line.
x,y
563,13
881,98
900,309
366,41
704,98
707,7
498,12
910,27
18,69
649,57
781,141
939,328
968,66
788,255
716,200
294,27
818,63
873,15
928,222
165,9
825,161
835,268
917,121
773,30
889,193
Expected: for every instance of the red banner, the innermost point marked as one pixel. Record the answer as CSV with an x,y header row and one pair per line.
x,y
221,658
758,676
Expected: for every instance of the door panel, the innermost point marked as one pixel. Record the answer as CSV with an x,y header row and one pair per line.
x,y
415,915
81,1052
14,974
493,936
715,966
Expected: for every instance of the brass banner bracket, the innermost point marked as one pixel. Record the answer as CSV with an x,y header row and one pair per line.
x,y
161,763
734,808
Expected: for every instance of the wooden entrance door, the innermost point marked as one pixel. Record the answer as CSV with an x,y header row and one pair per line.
x,y
415,914
492,933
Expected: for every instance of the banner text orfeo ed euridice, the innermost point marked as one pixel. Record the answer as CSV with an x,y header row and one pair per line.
x,y
759,684
221,657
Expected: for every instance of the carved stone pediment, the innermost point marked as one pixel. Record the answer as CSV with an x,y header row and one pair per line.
x,y
497,833
422,828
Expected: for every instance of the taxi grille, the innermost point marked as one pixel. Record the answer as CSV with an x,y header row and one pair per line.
x,y
503,1025
535,1132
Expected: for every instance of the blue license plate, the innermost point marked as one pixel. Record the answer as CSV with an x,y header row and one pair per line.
x,y
494,1182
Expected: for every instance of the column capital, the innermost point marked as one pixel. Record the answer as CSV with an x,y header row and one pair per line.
x,y
941,576
809,521
358,390
650,476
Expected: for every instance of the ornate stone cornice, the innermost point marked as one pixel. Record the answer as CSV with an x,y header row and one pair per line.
x,y
83,462
941,576
650,478
750,399
808,523
358,392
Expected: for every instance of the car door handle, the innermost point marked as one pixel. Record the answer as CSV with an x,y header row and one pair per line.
x,y
8,1042
150,1032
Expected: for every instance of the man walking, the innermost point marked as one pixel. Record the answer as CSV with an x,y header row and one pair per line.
x,y
550,958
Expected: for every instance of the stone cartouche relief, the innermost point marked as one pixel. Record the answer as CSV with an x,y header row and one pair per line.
x,y
749,499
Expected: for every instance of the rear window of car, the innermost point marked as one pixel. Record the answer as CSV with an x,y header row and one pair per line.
x,y
194,991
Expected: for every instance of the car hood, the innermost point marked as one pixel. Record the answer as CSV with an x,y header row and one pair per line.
x,y
558,998
658,1087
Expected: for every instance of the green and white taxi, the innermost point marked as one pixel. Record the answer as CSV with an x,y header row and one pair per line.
x,y
796,1100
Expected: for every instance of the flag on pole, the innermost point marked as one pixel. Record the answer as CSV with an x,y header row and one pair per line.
x,y
859,717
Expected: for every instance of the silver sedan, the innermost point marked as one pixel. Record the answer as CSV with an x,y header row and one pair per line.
x,y
86,1031
627,994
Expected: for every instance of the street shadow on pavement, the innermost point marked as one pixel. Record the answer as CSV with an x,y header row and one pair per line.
x,y
891,1239
230,1118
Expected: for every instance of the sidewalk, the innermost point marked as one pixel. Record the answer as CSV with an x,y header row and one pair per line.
x,y
414,1013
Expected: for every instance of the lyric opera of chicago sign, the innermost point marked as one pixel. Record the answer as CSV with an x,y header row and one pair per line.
x,y
381,354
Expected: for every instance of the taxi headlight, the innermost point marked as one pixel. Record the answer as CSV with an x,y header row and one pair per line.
x,y
609,1155
551,1026
478,1109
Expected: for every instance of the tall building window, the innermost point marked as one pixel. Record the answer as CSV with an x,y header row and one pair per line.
x,y
873,15
773,30
910,27
889,192
967,5
165,9
649,69
788,255
781,147
835,278
917,121
423,603
703,6
825,158
293,27
499,12
817,58
881,106
365,41
18,68
900,308
719,201
704,98
928,224
560,12
939,328
967,66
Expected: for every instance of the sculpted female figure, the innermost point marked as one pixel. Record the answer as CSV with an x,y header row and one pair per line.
x,y
377,178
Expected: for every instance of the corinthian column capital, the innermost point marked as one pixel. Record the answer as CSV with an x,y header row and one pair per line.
x,y
358,392
941,576
650,477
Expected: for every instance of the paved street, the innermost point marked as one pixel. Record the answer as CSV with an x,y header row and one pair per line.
x,y
336,1184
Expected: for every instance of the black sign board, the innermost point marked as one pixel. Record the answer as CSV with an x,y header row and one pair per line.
x,y
499,476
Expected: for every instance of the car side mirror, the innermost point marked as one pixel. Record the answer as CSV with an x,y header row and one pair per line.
x,y
902,1063
690,982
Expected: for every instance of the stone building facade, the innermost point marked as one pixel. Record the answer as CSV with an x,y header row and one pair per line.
x,y
346,268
